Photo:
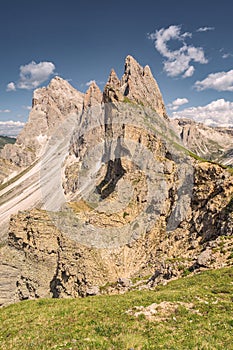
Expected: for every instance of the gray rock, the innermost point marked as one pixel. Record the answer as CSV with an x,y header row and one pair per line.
x,y
204,258
125,282
93,290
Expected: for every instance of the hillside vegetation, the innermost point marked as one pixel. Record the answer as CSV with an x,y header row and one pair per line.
x,y
5,139
198,314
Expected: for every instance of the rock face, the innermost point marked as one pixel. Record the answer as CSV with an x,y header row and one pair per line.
x,y
139,85
50,107
50,263
92,97
212,143
124,200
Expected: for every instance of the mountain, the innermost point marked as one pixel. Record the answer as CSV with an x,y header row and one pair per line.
x,y
50,106
212,143
106,193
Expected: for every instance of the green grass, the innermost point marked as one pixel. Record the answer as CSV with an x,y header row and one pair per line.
x,y
200,159
102,323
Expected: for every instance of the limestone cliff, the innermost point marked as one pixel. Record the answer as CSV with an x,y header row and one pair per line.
x,y
139,85
50,107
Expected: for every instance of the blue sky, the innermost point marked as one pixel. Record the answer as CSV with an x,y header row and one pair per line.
x,y
188,45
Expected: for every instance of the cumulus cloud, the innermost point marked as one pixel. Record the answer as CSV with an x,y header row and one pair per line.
x,y
11,87
205,29
216,113
11,128
32,75
221,81
177,103
178,61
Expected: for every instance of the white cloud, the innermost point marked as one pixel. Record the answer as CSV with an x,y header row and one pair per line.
x,y
32,75
177,103
98,82
177,61
90,82
221,81
205,29
11,87
11,128
189,72
5,110
216,113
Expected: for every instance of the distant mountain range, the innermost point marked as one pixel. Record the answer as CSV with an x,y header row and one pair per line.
x,y
5,140
210,143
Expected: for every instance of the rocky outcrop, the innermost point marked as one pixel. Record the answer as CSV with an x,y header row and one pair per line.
x,y
139,85
51,262
112,91
50,107
88,133
212,201
92,97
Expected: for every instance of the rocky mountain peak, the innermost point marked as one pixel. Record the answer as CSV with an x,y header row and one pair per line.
x,y
132,66
138,84
51,106
112,90
113,79
147,71
57,81
93,96
59,91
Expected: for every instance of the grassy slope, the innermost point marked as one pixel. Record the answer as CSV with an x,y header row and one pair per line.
x,y
101,322
4,140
